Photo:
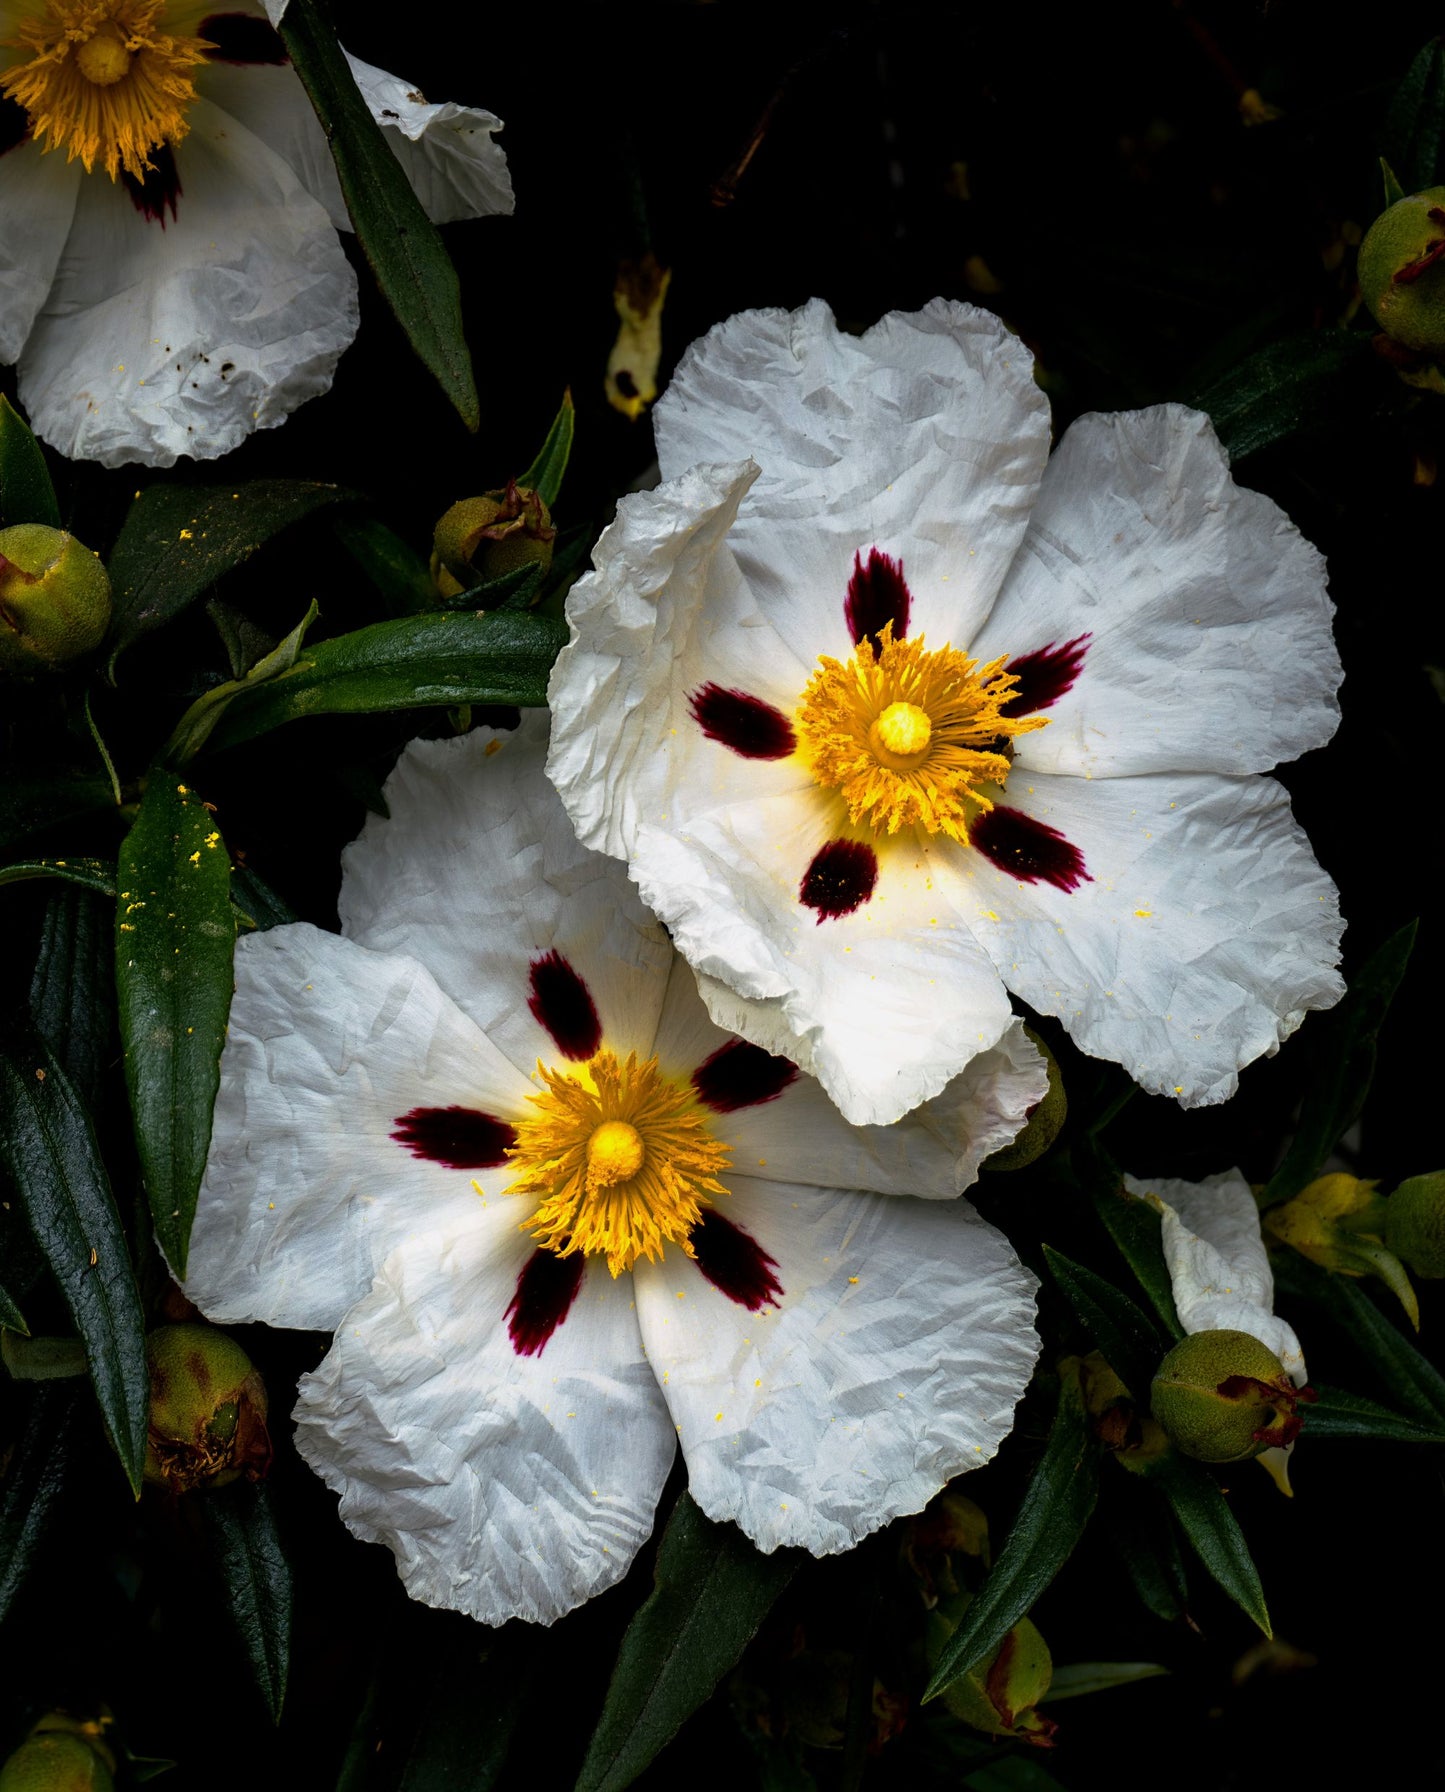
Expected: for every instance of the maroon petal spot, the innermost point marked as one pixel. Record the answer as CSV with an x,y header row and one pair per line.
x,y
158,190
1028,850
749,726
241,37
1043,677
877,594
840,879
562,1002
460,1138
546,1287
14,123
740,1075
735,1263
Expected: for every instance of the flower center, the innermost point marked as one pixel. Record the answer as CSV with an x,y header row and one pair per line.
x,y
910,737
620,1159
101,82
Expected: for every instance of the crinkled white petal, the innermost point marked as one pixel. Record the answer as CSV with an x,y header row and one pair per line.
x,y
157,343
665,613
37,202
1218,1265
479,872
1206,934
925,437
507,1486
884,1005
305,1189
894,1359
273,105
1211,647
446,150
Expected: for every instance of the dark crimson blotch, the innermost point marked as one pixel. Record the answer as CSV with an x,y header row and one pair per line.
x,y
749,726
839,879
14,123
741,1075
461,1138
239,37
159,190
562,1002
546,1287
1045,675
734,1262
1027,849
877,594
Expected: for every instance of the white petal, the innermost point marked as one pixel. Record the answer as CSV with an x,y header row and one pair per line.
x,y
665,613
157,343
884,1006
925,437
507,1486
305,1189
37,202
273,105
1218,1265
894,1359
478,872
1211,647
446,151
1206,934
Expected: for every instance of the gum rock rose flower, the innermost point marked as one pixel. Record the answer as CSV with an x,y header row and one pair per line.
x,y
170,273
561,1224
891,713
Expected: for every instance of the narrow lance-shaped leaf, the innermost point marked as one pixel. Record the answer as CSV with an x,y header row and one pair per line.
x,y
1338,1414
397,572
175,933
1134,1227
1413,141
544,476
195,727
1206,1520
26,494
32,1484
72,989
1131,1341
11,1318
257,1578
90,874
51,1153
712,1590
1291,385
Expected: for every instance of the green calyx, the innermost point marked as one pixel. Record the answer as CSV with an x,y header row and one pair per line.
x,y
1223,1397
1045,1119
1402,271
1415,1224
485,538
54,599
208,1410
55,1762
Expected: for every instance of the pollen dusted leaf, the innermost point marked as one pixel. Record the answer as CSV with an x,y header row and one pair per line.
x,y
253,1568
34,1477
1206,1520
1132,1343
175,934
26,494
713,1589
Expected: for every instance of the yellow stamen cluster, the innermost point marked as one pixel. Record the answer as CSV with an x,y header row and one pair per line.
x,y
622,1159
909,736
102,82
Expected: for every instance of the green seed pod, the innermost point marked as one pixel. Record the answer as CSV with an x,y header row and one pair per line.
x,y
1223,1397
1415,1224
54,599
485,538
1402,271
56,1762
208,1410
1044,1120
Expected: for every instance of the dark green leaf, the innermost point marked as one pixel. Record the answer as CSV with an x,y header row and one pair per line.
x,y
412,268
544,476
11,1318
1288,386
1206,1520
91,874
415,662
514,590
1390,182
196,726
41,1359
1345,1064
1338,1414
1056,1507
1414,132
26,494
34,805
257,1577
177,540
175,933
243,641
1139,1529
50,1150
400,575
257,901
712,1590
1134,1227
1076,1680
1131,1342
32,1483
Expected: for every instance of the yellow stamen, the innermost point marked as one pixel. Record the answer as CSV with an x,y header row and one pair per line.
x,y
622,1160
910,737
102,82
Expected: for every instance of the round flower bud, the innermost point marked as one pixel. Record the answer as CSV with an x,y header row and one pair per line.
x,y
485,538
54,599
56,1762
1402,273
1415,1224
208,1410
1224,1397
1045,1118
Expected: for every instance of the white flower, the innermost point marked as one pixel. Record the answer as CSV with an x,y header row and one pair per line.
x,y
1036,769
499,1406
170,274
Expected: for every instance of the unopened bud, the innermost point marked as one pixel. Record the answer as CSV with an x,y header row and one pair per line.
x,y
1044,1119
55,1762
1402,278
54,599
1223,1397
1339,1222
485,538
1415,1223
208,1410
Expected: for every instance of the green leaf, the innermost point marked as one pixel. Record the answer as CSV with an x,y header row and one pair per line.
x,y
26,494
1414,131
90,874
175,933
253,1568
257,901
1079,1678
72,988
1134,1227
1206,1520
1131,1342
1140,1531
399,574
544,476
1344,1066
1338,1414
414,662
177,540
42,1359
712,1590
36,804
1056,1507
1390,182
514,590
412,268
1288,386
196,726
49,1148
11,1318
34,1476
